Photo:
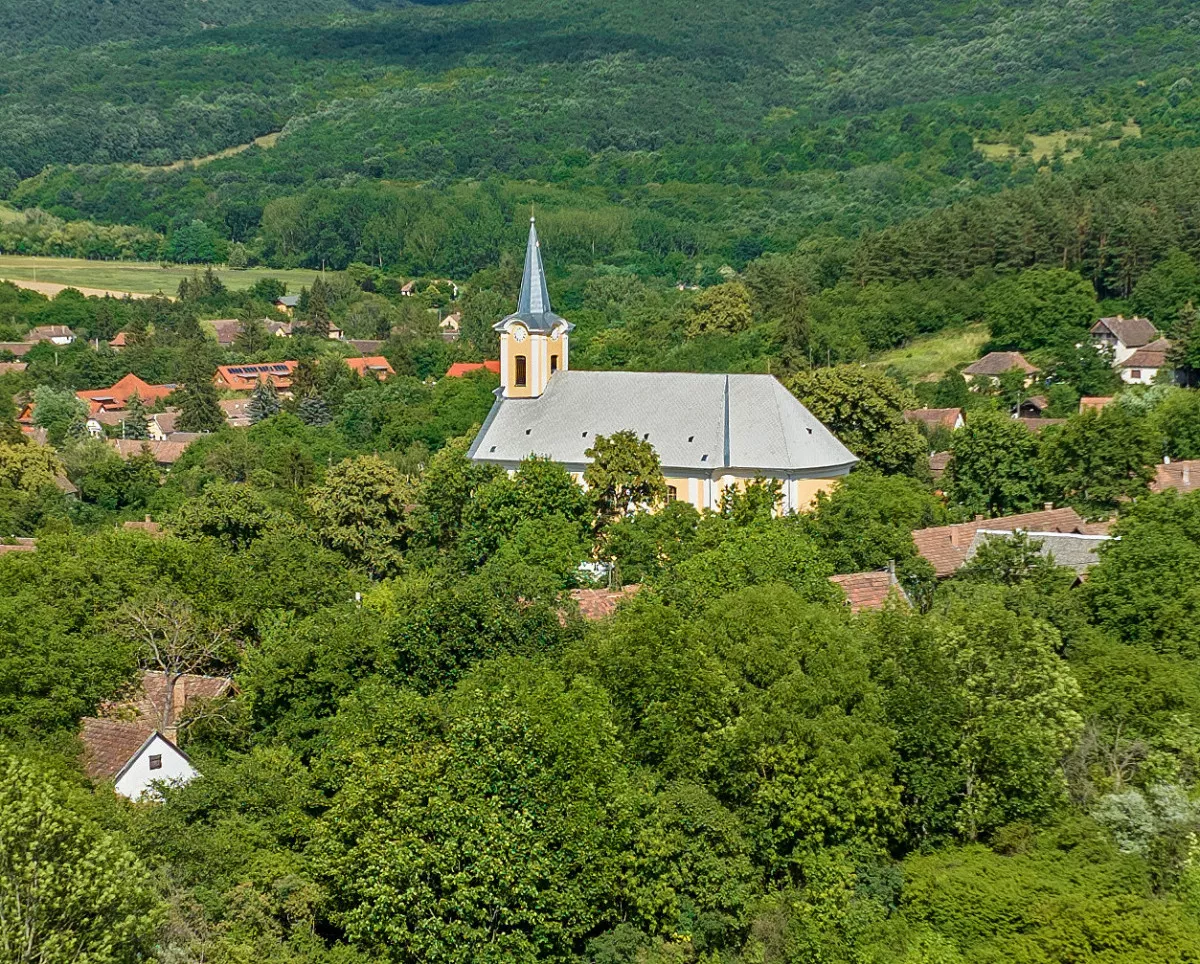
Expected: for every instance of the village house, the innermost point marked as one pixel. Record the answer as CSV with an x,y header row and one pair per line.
x,y
132,743
451,326
287,304
1093,402
55,334
711,432
950,419
163,425
459,369
165,453
946,548
1074,550
366,346
18,349
1033,407
870,590
1143,366
245,378
1183,476
988,369
1121,336
12,367
226,330
119,341
116,397
237,412
371,366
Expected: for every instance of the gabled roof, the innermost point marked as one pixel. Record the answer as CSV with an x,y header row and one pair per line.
x,y
1182,476
1075,550
1036,425
937,464
368,346
933,418
244,378
946,547
1153,355
48,332
1094,402
597,604
869,590
374,365
288,301
1130,332
119,394
226,330
696,422
164,453
999,362
119,340
458,369
108,745
533,305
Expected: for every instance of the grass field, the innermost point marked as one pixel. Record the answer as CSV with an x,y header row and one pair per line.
x,y
926,359
8,214
135,276
1044,146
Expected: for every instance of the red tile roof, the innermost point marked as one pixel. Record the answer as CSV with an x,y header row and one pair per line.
x,y
458,369
1154,355
601,603
937,464
999,362
165,453
868,590
9,367
946,547
1097,402
119,340
108,745
244,378
374,365
1182,476
117,396
933,418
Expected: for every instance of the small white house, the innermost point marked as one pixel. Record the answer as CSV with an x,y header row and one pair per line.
x,y
1122,336
158,760
1143,366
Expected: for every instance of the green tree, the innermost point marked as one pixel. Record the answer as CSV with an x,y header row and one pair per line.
x,y
60,413
1185,348
237,259
865,410
252,335
199,407
136,424
1011,560
317,311
994,466
1101,458
1039,307
1161,293
264,401
723,309
360,512
623,476
313,411
69,891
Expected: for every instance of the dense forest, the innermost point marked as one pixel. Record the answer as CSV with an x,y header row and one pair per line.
x,y
428,753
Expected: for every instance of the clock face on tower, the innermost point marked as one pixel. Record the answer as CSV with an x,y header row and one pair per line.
x,y
519,333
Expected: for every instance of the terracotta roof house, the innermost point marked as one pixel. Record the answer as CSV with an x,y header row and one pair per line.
x,y
935,418
994,364
1142,366
12,367
17,349
1094,402
408,289
1074,550
146,525
372,366
451,326
118,341
131,743
162,425
55,334
166,452
597,604
237,411
869,590
117,396
946,547
18,545
458,369
226,330
1182,476
244,378
1033,407
1122,336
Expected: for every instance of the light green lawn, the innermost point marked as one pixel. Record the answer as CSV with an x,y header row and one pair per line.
x,y
8,214
136,276
928,358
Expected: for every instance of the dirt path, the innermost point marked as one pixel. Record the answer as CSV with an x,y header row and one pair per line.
x,y
50,289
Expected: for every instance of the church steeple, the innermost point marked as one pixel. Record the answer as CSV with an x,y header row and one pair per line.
x,y
533,340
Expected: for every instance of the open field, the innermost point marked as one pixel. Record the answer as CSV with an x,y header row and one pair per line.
x,y
926,359
1044,146
139,277
8,214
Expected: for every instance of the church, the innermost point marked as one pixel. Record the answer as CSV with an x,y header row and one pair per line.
x,y
711,432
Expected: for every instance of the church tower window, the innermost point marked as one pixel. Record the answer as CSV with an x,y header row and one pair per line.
x,y
522,375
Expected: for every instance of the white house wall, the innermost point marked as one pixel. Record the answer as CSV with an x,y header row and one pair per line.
x,y
138,777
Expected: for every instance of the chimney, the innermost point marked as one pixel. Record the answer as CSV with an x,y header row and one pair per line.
x,y
954,536
978,516
1047,506
1187,474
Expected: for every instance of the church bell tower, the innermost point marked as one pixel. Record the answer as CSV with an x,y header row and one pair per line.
x,y
533,340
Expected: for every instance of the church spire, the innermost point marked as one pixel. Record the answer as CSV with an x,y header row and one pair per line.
x,y
535,297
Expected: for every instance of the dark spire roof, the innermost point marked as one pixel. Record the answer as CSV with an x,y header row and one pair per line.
x,y
533,307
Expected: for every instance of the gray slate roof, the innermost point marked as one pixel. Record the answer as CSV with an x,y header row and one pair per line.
x,y
1070,549
1132,332
694,421
533,306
